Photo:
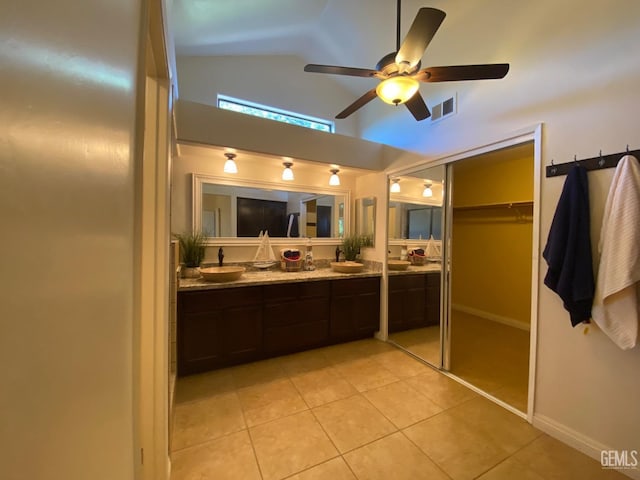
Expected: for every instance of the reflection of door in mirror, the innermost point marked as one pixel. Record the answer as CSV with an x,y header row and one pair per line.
x,y
311,216
414,294
323,223
214,223
255,216
366,217
392,231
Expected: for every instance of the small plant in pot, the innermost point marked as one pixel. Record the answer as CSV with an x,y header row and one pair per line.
x,y
351,246
192,247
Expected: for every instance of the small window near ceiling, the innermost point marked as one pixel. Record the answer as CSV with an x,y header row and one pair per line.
x,y
272,113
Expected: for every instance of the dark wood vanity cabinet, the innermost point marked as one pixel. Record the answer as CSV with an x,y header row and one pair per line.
x,y
414,301
432,315
296,316
355,308
207,339
228,326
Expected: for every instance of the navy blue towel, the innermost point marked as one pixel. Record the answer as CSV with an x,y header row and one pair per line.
x,y
568,249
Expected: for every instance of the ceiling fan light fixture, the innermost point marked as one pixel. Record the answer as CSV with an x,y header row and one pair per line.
x,y
397,90
334,179
287,173
395,186
230,165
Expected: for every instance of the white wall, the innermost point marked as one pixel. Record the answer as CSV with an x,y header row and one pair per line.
x,y
67,208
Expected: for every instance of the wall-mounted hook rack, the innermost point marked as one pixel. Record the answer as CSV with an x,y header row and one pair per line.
x,y
595,163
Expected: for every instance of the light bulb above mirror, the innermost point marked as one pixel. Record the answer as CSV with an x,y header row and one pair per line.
x,y
395,186
427,192
230,165
334,179
287,173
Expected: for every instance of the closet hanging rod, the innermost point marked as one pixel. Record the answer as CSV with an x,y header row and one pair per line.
x,y
487,206
595,163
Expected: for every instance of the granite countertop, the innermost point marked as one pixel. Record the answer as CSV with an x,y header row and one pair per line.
x,y
416,269
250,278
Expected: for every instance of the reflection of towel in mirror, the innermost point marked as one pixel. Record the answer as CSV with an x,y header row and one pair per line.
x,y
568,249
615,306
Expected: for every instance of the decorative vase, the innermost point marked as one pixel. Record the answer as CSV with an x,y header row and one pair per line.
x,y
190,272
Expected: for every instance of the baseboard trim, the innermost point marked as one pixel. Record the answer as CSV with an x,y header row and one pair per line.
x,y
512,322
580,442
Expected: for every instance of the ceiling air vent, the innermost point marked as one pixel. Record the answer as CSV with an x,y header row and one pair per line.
x,y
443,109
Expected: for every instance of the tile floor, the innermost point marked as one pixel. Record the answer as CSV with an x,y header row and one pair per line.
x,y
489,355
362,410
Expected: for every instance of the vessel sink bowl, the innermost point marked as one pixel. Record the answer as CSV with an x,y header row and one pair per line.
x,y
222,274
347,267
398,264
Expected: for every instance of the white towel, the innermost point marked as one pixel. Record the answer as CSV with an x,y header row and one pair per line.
x,y
615,304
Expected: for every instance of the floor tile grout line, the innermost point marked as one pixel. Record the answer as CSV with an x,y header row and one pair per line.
x,y
311,467
253,447
426,454
209,440
255,454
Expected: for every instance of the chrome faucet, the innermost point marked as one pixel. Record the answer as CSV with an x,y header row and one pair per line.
x,y
220,256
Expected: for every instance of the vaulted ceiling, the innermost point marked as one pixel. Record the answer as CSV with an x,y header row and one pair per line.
x,y
558,51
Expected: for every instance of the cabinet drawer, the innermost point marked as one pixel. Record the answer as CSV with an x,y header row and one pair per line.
x,y
315,289
355,286
281,292
209,300
296,312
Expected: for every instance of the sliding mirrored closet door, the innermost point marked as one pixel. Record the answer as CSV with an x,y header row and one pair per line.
x,y
465,306
416,221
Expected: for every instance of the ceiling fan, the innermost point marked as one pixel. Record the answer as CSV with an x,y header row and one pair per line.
x,y
400,70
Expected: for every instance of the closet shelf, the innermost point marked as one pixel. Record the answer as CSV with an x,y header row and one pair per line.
x,y
488,206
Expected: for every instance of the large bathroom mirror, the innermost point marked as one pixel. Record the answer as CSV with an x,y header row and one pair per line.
x,y
366,217
415,227
243,209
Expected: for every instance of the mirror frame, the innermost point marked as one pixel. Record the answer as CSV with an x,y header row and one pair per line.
x,y
198,179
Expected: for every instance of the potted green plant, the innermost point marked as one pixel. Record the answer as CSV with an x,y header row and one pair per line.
x,y
352,244
192,247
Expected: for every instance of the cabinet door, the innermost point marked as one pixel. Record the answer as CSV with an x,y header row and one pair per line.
x,y
432,302
242,333
407,300
343,318
200,342
395,304
367,310
294,323
414,301
355,308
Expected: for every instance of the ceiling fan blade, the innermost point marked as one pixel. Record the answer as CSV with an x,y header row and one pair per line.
x,y
422,30
462,72
354,72
361,102
417,107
